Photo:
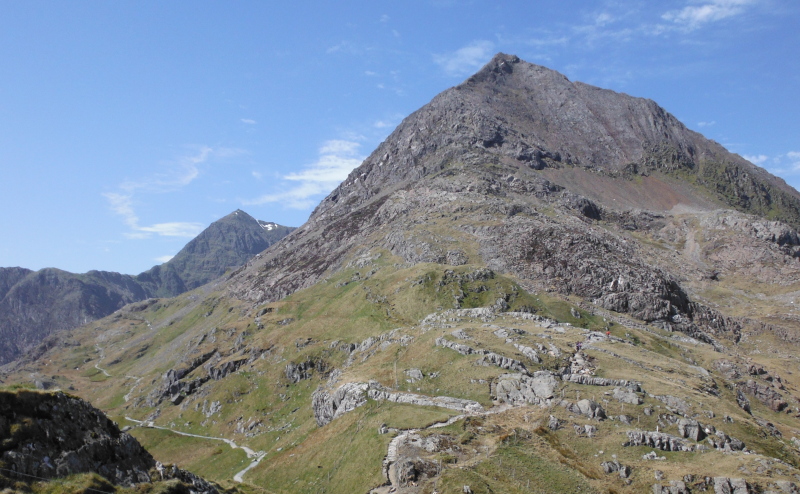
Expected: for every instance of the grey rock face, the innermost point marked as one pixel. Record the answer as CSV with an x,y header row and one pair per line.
x,y
55,435
602,381
528,352
328,407
349,396
657,440
591,409
624,395
765,394
304,370
376,392
674,487
519,389
674,403
723,442
724,485
742,401
411,470
507,363
414,375
786,487
691,429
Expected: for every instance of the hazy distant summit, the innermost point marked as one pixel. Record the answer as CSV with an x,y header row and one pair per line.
x,y
227,243
36,304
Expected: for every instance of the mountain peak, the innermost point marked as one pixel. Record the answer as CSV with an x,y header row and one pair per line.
x,y
526,115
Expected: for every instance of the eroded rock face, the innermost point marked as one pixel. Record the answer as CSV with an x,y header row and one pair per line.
x,y
657,440
410,470
625,395
329,406
765,394
591,409
601,381
520,389
725,485
304,370
691,429
51,435
674,487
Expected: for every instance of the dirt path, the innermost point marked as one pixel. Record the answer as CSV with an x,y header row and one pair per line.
x,y
257,456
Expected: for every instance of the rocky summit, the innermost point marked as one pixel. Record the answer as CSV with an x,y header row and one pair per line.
x,y
533,285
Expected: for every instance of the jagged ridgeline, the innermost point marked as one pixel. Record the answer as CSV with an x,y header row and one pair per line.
x,y
532,285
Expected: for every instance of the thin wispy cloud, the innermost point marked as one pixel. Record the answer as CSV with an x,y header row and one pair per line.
x,y
466,60
706,124
756,159
794,159
784,165
122,204
177,173
175,176
163,259
337,158
249,121
694,16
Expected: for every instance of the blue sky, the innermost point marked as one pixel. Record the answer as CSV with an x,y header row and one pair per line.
x,y
127,127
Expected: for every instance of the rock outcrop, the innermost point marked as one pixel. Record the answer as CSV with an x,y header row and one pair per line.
x,y
519,389
657,440
49,435
329,406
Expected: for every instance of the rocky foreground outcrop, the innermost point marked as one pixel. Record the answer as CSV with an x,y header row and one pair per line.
x,y
50,435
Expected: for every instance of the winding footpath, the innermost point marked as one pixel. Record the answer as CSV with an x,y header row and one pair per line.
x,y
257,456
102,356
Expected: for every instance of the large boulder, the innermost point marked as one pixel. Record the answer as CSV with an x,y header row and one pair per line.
x,y
591,409
520,389
691,429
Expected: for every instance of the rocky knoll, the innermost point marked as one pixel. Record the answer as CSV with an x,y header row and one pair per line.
x,y
49,435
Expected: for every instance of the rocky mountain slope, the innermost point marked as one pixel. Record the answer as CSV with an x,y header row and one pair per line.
x,y
532,285
36,304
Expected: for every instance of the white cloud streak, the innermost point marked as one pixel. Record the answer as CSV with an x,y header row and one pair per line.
x,y
337,158
694,16
163,259
177,175
122,204
794,158
466,60
756,159
249,121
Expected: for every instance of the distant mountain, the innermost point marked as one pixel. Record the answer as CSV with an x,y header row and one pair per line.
x,y
36,304
228,242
